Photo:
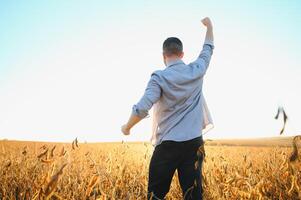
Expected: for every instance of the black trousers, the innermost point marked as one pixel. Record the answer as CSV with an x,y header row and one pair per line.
x,y
186,158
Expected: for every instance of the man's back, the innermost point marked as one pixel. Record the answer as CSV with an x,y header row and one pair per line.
x,y
178,114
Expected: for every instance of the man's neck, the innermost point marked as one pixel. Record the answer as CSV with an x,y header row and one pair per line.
x,y
172,60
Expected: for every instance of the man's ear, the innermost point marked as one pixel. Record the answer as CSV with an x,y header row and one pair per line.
x,y
182,55
164,58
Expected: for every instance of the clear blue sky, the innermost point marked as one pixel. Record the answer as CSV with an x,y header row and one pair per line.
x,y
75,68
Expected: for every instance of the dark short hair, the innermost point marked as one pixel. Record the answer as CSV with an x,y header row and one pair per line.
x,y
172,46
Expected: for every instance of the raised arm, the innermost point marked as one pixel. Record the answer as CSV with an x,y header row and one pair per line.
x,y
209,33
203,60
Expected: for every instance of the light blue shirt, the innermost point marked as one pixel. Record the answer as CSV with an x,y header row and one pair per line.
x,y
176,93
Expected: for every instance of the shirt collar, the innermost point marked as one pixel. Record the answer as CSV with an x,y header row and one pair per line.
x,y
174,62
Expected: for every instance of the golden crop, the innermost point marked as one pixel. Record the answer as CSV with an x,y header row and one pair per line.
x,y
36,170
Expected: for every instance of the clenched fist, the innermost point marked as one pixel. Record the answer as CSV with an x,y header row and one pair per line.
x,y
125,130
207,22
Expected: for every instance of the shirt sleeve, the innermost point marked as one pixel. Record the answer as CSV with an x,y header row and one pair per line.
x,y
151,95
203,60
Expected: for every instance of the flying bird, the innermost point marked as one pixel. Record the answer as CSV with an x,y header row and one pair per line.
x,y
281,111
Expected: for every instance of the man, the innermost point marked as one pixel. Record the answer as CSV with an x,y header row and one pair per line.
x,y
179,106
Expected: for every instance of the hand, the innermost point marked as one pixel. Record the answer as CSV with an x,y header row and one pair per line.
x,y
125,130
207,22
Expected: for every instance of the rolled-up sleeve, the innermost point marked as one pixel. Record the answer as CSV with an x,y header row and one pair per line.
x,y
151,95
203,60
